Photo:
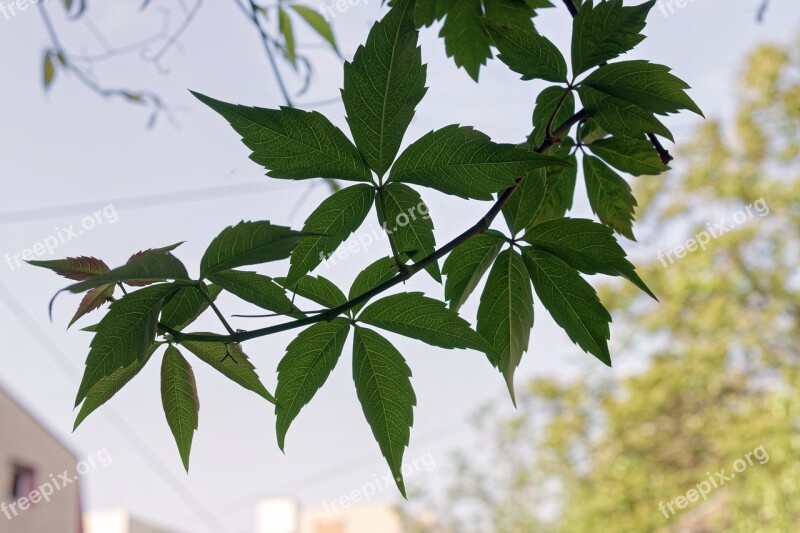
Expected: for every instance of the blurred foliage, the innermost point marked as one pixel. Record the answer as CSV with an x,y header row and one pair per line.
x,y
720,357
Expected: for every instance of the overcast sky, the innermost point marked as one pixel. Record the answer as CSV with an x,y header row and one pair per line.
x,y
69,147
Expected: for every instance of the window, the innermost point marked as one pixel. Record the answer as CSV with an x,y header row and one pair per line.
x,y
21,481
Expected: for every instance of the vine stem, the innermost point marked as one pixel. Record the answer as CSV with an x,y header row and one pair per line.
x,y
482,225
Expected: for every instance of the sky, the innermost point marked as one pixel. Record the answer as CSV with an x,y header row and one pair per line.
x,y
75,155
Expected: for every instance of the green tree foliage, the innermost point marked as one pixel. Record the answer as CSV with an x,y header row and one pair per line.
x,y
720,377
538,260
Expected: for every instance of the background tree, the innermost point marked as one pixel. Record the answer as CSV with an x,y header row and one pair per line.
x,y
710,373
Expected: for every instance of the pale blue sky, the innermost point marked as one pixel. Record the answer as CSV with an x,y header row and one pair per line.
x,y
70,147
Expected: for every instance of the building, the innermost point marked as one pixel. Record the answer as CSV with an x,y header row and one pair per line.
x,y
285,515
39,489
116,521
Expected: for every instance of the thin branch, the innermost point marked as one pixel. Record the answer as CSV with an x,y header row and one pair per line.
x,y
573,9
252,14
138,96
663,153
173,39
216,310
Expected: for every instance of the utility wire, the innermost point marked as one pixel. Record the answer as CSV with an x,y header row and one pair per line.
x,y
137,202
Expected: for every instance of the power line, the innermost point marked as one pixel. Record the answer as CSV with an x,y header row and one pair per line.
x,y
152,460
138,202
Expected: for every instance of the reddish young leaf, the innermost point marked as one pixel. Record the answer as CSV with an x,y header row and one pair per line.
x,y
93,300
74,268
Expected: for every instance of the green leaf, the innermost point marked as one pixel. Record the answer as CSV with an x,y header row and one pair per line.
x,y
416,316
466,163
317,289
49,69
551,103
571,301
383,386
92,300
375,274
634,156
248,243
465,38
404,214
328,226
310,358
383,85
619,117
466,265
605,32
526,202
294,144
505,316
586,246
143,282
645,84
511,13
610,196
180,401
318,22
285,27
555,187
257,289
528,53
124,334
187,305
74,268
425,12
230,361
109,386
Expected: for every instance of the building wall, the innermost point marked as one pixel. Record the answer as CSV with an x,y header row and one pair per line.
x,y
366,518
116,521
24,442
284,515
